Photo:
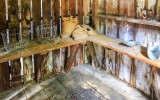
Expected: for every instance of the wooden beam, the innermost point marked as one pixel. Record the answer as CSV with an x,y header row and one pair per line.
x,y
136,52
71,58
131,20
4,76
93,53
35,48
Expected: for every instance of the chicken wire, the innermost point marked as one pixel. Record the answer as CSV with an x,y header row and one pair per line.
x,y
14,40
46,33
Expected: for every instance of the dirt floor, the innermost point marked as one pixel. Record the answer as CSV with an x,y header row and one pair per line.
x,y
82,83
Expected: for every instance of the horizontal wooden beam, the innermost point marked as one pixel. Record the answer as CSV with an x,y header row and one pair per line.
x,y
131,20
34,48
136,52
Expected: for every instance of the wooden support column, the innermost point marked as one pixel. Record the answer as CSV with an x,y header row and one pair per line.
x,y
36,21
93,53
71,58
4,76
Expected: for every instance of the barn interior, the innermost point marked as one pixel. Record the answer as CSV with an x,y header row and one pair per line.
x,y
79,50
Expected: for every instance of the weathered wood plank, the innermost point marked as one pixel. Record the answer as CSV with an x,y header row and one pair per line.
x,y
93,53
13,14
16,72
131,20
36,6
56,61
72,7
2,18
27,69
80,11
46,11
26,24
4,76
26,14
64,7
71,58
46,64
56,14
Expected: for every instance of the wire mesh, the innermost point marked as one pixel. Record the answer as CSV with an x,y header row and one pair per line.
x,y
15,41
46,33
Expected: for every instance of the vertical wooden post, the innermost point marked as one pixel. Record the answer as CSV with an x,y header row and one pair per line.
x,y
36,21
4,76
71,58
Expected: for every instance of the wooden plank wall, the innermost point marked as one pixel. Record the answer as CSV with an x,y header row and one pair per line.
x,y
41,65
4,67
136,73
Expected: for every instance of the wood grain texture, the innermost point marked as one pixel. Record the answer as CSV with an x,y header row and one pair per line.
x,y
4,76
64,8
27,69
2,18
131,20
80,11
26,24
71,58
56,14
72,8
26,14
46,65
16,73
93,54
13,14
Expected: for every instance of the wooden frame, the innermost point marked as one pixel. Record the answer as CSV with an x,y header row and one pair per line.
x,y
136,52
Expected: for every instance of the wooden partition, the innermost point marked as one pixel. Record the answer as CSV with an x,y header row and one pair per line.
x,y
29,14
144,29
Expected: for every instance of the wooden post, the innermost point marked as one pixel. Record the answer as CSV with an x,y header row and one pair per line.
x,y
4,76
71,58
93,53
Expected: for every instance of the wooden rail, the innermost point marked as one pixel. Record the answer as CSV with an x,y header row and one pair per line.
x,y
131,20
136,52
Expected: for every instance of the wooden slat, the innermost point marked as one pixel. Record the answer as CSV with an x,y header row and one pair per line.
x,y
46,11
36,14
16,73
136,52
71,58
2,18
93,53
64,9
72,8
80,11
36,21
26,24
4,76
14,24
46,61
56,15
34,48
13,14
131,20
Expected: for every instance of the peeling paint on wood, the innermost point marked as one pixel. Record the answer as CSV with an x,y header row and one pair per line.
x,y
16,73
27,69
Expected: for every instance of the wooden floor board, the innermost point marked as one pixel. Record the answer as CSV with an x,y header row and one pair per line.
x,y
34,90
83,82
